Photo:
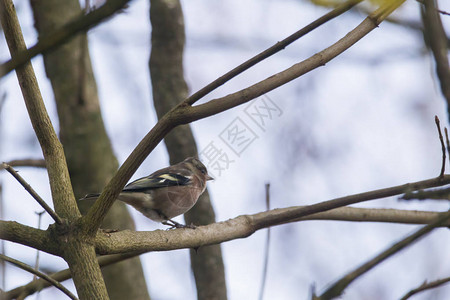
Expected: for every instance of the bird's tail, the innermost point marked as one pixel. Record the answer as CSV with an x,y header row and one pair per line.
x,y
90,197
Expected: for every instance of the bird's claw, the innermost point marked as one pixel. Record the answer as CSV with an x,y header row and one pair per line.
x,y
174,224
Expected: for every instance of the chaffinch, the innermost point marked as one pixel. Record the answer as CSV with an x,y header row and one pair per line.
x,y
168,192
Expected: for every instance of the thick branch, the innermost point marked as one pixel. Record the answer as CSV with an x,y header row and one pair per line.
x,y
28,236
95,215
244,226
63,34
340,214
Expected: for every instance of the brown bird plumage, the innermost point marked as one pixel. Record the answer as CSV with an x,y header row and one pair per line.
x,y
168,192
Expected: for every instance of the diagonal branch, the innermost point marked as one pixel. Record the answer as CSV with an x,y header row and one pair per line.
x,y
37,285
340,9
299,212
336,289
63,34
185,113
33,193
40,274
426,286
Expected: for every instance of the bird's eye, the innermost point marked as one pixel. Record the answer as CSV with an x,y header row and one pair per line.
x,y
203,170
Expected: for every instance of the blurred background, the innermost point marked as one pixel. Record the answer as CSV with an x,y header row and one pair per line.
x,y
362,122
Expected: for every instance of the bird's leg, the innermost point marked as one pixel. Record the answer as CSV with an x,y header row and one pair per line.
x,y
174,224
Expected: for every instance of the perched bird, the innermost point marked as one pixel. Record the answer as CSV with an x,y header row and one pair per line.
x,y
166,193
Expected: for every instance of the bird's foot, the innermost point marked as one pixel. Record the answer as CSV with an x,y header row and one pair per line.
x,y
174,224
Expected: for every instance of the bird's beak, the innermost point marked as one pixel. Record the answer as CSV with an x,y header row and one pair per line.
x,y
209,177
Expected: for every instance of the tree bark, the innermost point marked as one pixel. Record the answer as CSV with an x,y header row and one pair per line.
x,y
86,145
169,88
436,39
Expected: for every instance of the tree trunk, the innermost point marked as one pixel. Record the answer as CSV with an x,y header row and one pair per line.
x,y
169,88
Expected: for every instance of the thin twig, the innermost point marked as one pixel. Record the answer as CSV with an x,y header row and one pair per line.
x,y
266,248
38,163
271,51
443,12
33,193
2,245
426,286
40,274
63,34
337,288
447,142
436,194
296,213
441,139
36,265
65,274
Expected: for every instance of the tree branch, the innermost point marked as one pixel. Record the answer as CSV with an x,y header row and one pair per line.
x,y
239,227
162,238
28,236
38,163
33,193
299,212
336,289
426,286
246,225
63,34
184,113
441,139
40,274
340,9
37,285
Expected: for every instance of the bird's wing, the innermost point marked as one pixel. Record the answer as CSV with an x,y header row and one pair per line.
x,y
155,181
